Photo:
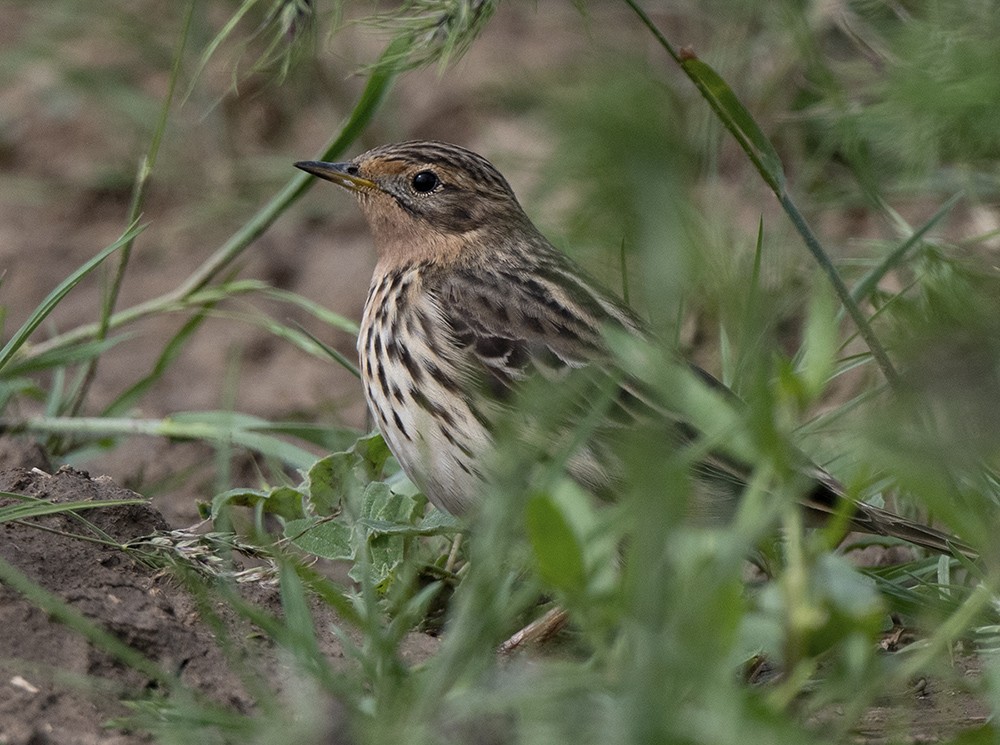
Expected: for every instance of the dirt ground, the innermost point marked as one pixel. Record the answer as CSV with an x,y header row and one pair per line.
x,y
66,159
55,688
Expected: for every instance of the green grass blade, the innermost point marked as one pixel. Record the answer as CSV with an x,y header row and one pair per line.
x,y
53,299
219,427
758,148
867,284
33,507
170,353
325,315
734,115
61,357
380,81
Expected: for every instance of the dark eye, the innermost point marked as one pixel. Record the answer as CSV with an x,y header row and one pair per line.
x,y
425,181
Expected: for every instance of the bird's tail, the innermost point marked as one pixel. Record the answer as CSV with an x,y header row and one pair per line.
x,y
828,497
869,519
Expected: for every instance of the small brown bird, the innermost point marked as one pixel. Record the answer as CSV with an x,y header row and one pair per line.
x,y
468,300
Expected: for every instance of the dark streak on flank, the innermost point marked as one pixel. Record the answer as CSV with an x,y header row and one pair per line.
x,y
432,408
383,382
466,450
439,376
400,427
408,362
480,417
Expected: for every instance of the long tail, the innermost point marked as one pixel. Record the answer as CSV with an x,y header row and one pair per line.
x,y
873,520
828,496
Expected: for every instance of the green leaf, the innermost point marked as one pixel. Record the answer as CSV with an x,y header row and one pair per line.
x,y
819,343
320,312
737,120
557,547
386,551
373,451
283,501
60,357
341,478
322,537
221,427
301,640
439,521
32,507
325,436
867,284
430,525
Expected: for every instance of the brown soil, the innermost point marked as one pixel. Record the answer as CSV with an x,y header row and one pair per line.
x,y
55,687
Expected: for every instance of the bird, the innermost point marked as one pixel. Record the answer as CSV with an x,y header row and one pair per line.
x,y
468,301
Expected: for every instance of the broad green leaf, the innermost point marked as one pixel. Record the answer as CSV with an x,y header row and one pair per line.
x,y
385,551
322,537
439,520
430,525
341,478
283,501
557,548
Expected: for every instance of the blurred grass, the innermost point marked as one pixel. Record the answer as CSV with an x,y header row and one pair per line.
x,y
880,114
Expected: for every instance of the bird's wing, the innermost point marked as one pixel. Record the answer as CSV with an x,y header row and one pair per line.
x,y
514,326
551,325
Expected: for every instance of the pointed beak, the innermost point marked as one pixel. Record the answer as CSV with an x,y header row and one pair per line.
x,y
338,173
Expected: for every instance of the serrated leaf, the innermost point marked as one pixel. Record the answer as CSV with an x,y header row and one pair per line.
x,y
439,521
341,478
386,551
325,482
237,498
426,527
373,451
381,504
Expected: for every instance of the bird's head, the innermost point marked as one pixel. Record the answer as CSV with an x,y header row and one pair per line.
x,y
427,199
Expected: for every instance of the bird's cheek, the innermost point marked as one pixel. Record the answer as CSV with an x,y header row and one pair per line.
x,y
392,228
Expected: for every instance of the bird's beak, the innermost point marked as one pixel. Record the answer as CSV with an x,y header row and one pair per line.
x,y
337,173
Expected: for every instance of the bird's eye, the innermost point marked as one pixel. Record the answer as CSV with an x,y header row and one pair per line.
x,y
425,181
